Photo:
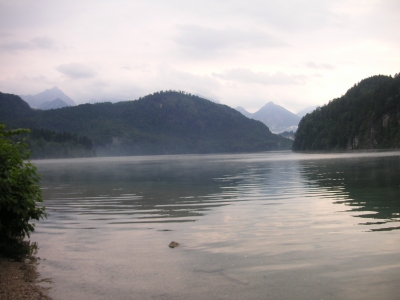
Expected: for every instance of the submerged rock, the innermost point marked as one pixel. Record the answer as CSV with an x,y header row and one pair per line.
x,y
173,244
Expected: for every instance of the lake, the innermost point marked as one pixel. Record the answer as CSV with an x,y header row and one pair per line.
x,y
273,225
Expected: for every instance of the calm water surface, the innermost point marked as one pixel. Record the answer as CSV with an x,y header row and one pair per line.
x,y
274,225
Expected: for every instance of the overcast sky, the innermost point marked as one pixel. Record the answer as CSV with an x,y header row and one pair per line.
x,y
296,53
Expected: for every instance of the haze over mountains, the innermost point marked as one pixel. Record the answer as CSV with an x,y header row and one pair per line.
x,y
48,99
277,118
56,103
160,123
366,117
307,110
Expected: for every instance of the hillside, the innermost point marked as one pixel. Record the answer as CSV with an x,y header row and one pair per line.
x,y
49,144
161,123
366,117
277,118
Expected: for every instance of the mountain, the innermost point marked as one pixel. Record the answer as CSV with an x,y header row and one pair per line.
x,y
47,96
56,103
244,112
306,110
277,118
161,123
366,117
14,112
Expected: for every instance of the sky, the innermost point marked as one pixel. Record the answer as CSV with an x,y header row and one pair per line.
x,y
295,53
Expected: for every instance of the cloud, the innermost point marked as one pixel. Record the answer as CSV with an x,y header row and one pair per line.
x,y
143,68
23,84
35,43
314,65
15,46
193,37
248,76
76,71
170,78
43,42
293,16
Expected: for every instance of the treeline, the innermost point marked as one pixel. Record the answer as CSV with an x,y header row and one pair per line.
x,y
366,117
44,143
161,123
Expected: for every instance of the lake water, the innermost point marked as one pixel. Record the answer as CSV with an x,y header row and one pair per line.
x,y
275,225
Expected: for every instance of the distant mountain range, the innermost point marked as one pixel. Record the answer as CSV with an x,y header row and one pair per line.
x,y
277,118
49,99
160,123
56,103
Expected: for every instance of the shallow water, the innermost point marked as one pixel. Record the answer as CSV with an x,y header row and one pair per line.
x,y
276,225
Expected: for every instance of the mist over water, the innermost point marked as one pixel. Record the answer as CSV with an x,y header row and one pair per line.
x,y
276,225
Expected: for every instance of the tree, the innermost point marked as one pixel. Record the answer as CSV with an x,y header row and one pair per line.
x,y
366,117
19,189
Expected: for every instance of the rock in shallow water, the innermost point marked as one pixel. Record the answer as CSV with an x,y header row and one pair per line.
x,y
173,244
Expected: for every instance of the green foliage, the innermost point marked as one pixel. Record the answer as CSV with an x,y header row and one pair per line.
x,y
366,117
162,123
19,189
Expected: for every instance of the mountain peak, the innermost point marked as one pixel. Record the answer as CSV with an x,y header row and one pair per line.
x,y
54,89
276,117
48,95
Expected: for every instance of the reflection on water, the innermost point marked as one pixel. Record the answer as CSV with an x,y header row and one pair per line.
x,y
146,191
274,225
369,187
185,188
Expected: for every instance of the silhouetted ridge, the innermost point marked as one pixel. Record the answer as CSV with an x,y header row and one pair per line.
x,y
14,111
366,117
161,123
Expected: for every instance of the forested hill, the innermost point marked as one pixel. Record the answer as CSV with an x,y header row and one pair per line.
x,y
366,117
161,123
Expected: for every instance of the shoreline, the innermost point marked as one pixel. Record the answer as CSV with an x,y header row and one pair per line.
x,y
20,280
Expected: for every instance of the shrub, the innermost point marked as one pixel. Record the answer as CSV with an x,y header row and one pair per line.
x,y
19,189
